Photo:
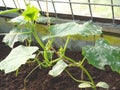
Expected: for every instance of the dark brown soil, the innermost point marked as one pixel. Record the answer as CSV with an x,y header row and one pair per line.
x,y
40,80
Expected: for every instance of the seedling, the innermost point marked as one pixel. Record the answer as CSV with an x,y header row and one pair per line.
x,y
99,55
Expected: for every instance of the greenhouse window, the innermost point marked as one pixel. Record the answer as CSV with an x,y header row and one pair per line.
x,y
96,10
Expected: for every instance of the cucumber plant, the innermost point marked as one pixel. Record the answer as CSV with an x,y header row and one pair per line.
x,y
24,30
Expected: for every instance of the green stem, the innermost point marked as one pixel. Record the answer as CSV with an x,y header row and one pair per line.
x,y
82,61
25,80
67,41
86,72
41,63
31,72
46,57
16,73
82,72
39,41
89,76
56,60
69,59
79,81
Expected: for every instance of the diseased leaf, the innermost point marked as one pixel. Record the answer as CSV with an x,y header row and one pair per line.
x,y
102,85
43,19
72,28
17,57
18,20
58,68
16,35
84,85
103,54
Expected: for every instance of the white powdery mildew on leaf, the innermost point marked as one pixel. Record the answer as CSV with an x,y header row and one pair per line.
x,y
17,57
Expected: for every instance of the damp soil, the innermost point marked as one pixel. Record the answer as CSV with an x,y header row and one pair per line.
x,y
40,80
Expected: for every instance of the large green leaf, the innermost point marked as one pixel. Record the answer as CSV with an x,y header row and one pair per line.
x,y
72,28
58,68
16,35
17,57
103,54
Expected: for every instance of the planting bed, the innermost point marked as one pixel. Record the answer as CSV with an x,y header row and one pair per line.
x,y
40,80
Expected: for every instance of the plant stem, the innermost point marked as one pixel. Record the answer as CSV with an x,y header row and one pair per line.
x,y
46,57
80,81
86,72
82,72
47,14
82,61
67,41
39,41
69,59
56,60
89,76
29,74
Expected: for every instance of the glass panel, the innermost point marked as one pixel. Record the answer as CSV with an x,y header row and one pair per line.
x,y
63,8
101,1
117,2
35,3
1,3
61,0
20,4
50,6
101,11
79,9
117,12
9,3
80,1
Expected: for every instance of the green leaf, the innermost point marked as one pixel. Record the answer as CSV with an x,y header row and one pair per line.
x,y
31,13
103,54
84,85
16,35
72,28
45,19
58,68
9,11
102,85
17,57
18,20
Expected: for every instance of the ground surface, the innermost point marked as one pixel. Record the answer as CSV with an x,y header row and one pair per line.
x,y
40,80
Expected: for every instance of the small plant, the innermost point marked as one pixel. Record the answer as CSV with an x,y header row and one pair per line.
x,y
24,31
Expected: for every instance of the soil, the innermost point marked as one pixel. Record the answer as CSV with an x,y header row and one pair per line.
x,y
40,80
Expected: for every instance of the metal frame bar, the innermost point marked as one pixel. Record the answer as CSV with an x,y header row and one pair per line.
x,y
113,16
90,9
4,4
84,3
39,6
72,16
54,8
14,3
71,10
